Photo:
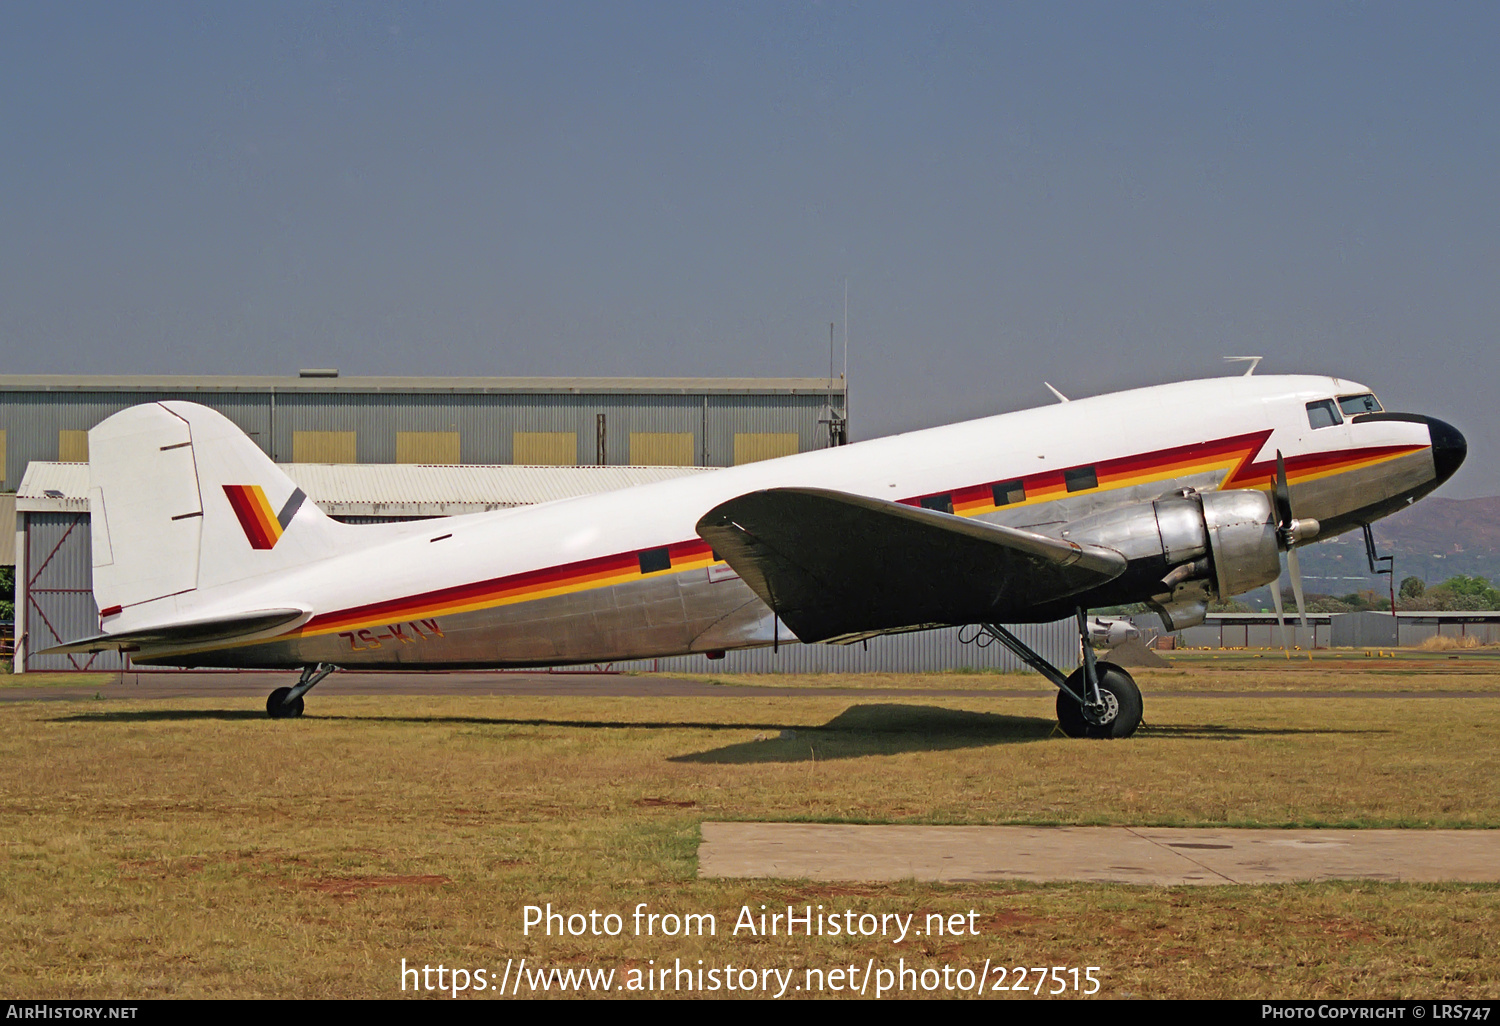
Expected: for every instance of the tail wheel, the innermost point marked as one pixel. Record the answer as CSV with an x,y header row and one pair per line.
x,y
277,707
1121,700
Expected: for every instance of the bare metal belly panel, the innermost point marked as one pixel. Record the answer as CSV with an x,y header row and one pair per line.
x,y
658,616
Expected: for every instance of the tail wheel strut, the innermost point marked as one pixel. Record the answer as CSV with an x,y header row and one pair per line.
x,y
286,703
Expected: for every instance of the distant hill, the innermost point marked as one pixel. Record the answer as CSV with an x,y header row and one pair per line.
x,y
1449,527
1434,539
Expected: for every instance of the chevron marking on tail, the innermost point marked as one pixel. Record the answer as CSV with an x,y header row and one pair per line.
x,y
262,527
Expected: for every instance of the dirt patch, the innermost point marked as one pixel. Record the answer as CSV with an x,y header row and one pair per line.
x,y
659,803
1134,653
1007,920
837,892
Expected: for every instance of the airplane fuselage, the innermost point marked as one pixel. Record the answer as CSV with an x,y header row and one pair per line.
x,y
625,575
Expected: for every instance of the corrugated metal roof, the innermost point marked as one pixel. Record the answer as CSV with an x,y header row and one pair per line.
x,y
384,489
54,488
259,383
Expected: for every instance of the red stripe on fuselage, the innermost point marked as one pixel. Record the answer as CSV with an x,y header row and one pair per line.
x,y
1263,474
1244,475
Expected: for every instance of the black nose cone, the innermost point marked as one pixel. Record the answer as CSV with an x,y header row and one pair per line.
x,y
1448,448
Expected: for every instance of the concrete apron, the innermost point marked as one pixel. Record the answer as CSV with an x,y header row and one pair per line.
x,y
1154,856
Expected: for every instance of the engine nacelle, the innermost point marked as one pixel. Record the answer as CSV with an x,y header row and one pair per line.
x,y
1191,547
1242,534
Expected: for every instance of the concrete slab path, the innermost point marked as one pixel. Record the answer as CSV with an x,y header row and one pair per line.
x,y
1153,856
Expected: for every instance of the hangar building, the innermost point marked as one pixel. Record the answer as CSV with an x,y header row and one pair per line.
x,y
447,427
319,417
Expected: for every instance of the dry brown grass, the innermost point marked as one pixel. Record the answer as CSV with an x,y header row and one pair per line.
x,y
1447,643
193,848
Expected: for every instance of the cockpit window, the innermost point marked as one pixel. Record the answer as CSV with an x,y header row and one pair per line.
x,y
1323,414
1352,405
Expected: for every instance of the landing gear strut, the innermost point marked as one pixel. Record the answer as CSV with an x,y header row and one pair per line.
x,y
1099,699
286,703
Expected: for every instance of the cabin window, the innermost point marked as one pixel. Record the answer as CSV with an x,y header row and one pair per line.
x,y
1323,413
1353,405
1080,479
941,503
654,560
1008,493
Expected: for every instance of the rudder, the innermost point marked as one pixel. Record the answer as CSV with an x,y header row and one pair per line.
x,y
183,501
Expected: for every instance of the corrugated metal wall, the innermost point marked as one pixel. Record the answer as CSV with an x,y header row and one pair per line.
x,y
487,424
917,652
1255,635
33,419
1414,633
485,421
59,604
1338,630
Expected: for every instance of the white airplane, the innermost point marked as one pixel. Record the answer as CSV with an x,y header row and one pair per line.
x,y
206,554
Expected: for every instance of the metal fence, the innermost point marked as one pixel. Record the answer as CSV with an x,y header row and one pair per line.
x,y
933,651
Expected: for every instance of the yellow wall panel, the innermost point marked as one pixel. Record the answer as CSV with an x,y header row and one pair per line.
x,y
323,447
544,448
748,448
661,448
440,447
72,446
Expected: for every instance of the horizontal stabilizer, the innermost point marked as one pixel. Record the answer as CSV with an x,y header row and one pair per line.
x,y
831,564
185,633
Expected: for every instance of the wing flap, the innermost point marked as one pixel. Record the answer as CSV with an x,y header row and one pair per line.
x,y
833,564
184,632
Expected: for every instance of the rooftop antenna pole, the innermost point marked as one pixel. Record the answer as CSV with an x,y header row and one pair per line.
x,y
846,360
833,413
1251,360
830,363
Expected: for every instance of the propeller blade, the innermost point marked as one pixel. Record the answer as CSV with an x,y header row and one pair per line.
x,y
1296,572
1282,495
1288,531
1280,615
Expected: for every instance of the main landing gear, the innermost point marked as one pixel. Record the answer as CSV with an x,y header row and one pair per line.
x,y
286,703
1099,699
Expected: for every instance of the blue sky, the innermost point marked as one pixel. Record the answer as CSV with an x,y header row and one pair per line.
x,y
1098,195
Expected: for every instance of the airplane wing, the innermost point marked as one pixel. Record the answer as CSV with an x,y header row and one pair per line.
x,y
184,632
833,564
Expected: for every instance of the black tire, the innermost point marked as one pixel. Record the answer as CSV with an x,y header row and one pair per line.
x,y
276,706
1121,696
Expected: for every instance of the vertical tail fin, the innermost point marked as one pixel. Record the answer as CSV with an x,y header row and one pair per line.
x,y
181,500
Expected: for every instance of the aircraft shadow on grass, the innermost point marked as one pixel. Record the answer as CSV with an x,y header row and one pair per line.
x,y
894,729
184,715
859,731
883,729
864,730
